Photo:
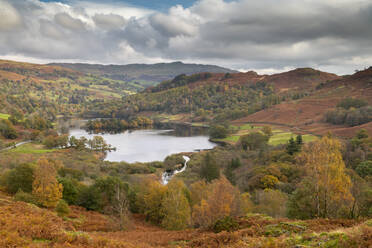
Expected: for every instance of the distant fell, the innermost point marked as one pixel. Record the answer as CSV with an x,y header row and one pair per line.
x,y
145,74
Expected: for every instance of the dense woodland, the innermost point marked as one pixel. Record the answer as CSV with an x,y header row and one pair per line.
x,y
219,101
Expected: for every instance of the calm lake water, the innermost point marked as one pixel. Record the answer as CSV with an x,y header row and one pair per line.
x,y
150,145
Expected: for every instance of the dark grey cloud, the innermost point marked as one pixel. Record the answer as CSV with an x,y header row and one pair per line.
x,y
267,35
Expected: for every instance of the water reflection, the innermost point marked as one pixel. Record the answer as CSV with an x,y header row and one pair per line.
x,y
151,145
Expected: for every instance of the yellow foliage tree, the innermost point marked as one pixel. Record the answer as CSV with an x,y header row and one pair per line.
x,y
198,191
176,207
152,200
45,187
246,205
326,170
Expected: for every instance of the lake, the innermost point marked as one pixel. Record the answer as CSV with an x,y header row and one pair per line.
x,y
151,145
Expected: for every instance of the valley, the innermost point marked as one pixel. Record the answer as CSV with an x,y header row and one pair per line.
x,y
255,146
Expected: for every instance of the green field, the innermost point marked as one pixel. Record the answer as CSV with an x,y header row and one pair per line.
x,y
4,116
31,149
282,138
279,136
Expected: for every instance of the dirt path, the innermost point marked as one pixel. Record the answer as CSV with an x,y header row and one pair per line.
x,y
16,145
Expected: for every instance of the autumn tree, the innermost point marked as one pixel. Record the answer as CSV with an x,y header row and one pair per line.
x,y
222,200
271,202
120,204
326,189
267,131
45,186
152,201
176,206
198,191
254,141
7,130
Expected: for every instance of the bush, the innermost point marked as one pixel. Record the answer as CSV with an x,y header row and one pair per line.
x,y
348,103
364,169
62,208
25,197
225,224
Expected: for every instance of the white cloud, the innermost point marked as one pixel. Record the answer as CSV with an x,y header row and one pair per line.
x,y
66,21
9,17
268,35
109,21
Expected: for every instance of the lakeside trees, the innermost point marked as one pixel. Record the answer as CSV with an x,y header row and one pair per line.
x,y
117,125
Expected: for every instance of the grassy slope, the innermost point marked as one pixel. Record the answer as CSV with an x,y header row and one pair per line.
x,y
4,116
31,149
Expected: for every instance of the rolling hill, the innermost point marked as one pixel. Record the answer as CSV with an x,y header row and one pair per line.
x,y
308,113
31,87
144,74
298,99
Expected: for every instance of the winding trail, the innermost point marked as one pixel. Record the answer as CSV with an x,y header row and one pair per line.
x,y
167,176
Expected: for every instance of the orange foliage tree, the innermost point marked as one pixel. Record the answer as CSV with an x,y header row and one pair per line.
x,y
222,200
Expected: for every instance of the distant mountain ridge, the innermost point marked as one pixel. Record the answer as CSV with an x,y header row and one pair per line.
x,y
146,74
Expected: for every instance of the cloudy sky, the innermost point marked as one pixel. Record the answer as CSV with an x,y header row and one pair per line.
x,y
263,35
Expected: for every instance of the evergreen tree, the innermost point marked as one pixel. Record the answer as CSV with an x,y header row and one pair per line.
x,y
292,146
299,140
210,169
230,175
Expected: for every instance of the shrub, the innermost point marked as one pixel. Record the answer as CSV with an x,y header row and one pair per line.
x,y
25,197
348,103
62,208
364,169
225,224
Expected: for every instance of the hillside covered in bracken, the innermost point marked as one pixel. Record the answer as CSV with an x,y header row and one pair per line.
x,y
25,225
